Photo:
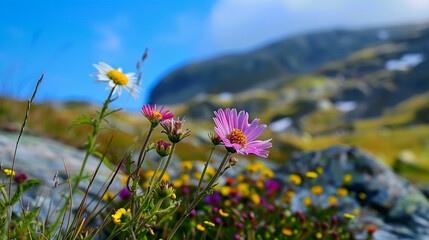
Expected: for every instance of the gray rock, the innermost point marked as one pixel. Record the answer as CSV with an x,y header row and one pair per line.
x,y
399,209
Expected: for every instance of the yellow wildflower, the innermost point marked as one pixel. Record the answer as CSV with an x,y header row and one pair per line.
x,y
295,179
243,188
224,190
349,216
108,196
290,193
200,227
356,211
287,232
255,198
307,201
347,178
178,183
165,178
332,200
148,174
197,175
222,213
186,166
317,190
319,170
125,180
342,192
319,235
118,215
311,174
251,168
227,203
267,173
9,172
260,184
210,172
173,196
362,196
185,177
259,165
209,223
240,177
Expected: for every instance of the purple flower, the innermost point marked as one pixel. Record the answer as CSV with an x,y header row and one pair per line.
x,y
236,132
240,225
21,177
185,190
237,237
193,213
163,148
270,207
125,194
174,129
213,199
217,220
154,116
272,185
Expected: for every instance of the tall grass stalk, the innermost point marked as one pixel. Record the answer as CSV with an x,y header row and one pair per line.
x,y
9,212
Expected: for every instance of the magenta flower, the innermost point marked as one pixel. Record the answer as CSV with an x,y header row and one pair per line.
x,y
236,132
272,185
21,177
163,148
125,194
213,199
174,129
154,116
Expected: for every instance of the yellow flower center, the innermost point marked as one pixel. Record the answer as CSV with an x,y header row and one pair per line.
x,y
157,114
117,77
237,136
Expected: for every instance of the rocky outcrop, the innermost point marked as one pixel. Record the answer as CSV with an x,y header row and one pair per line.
x,y
398,208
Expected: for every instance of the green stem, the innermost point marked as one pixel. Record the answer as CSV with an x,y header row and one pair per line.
x,y
95,130
3,192
198,198
89,150
204,235
141,156
205,168
150,187
218,232
168,162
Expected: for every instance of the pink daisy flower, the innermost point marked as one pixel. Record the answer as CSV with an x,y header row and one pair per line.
x,y
236,132
154,116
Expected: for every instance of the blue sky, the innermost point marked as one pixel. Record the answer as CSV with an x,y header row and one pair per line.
x,y
62,39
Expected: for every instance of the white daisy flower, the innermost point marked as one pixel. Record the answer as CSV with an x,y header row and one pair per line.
x,y
116,78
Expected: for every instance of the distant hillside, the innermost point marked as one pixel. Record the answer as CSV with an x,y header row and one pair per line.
x,y
238,72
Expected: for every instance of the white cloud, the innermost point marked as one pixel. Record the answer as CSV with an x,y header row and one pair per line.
x,y
109,33
243,24
110,40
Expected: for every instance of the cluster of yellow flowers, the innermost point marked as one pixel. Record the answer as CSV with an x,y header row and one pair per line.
x,y
9,172
118,215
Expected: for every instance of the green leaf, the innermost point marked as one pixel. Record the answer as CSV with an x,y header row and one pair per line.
x,y
111,112
129,163
22,187
27,219
170,212
17,195
81,120
105,160
29,183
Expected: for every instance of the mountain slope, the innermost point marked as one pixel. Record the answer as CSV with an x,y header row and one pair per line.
x,y
235,73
